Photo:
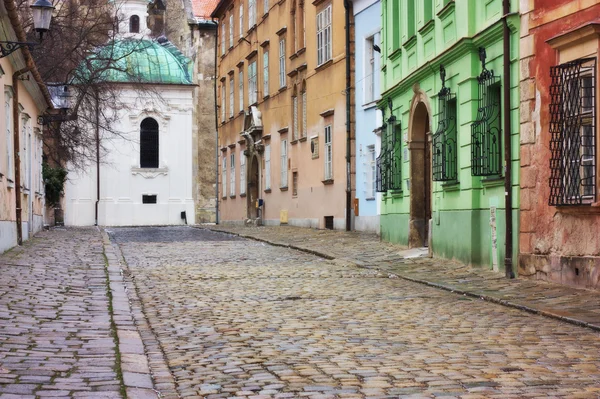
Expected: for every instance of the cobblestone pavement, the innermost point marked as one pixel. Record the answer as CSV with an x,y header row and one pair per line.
x,y
577,306
55,325
243,319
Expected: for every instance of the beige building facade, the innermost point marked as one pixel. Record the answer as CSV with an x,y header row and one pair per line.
x,y
282,113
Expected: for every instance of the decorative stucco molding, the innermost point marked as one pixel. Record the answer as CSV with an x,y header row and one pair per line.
x,y
148,173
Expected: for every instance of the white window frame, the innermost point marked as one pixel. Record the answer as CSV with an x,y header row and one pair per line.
x,y
252,83
304,114
231,96
224,175
232,174
223,38
242,173
370,172
266,7
265,73
251,13
284,163
295,118
267,166
369,71
241,89
328,153
231,30
241,20
282,75
324,40
9,137
223,104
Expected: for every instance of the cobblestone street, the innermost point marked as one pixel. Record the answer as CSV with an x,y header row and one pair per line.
x,y
237,318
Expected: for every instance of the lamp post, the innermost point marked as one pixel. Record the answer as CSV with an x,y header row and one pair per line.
x,y
42,14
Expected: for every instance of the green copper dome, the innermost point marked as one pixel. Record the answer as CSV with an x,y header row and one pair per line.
x,y
139,61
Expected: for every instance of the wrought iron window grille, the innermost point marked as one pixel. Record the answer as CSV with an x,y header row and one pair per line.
x,y
486,152
444,157
389,162
573,133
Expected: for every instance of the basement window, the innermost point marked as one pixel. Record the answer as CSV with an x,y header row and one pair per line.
x,y
148,199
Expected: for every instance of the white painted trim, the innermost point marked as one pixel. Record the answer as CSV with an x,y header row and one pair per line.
x,y
361,5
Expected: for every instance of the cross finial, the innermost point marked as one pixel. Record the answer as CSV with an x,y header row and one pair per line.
x,y
482,57
443,75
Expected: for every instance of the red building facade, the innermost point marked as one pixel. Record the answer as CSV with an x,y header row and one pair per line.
x,y
560,142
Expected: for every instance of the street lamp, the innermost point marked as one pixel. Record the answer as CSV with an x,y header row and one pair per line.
x,y
42,14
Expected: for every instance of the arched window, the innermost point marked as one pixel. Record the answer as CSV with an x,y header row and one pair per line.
x,y
134,24
149,143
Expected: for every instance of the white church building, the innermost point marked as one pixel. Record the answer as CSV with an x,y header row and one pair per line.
x,y
145,173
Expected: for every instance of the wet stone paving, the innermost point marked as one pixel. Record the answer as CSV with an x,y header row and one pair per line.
x,y
237,318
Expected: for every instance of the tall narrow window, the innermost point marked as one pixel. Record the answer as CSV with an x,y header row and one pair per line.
x,y
251,13
223,37
223,102
573,133
9,139
268,167
252,86
241,20
301,25
328,154
294,116
231,30
224,175
370,172
241,89
410,18
304,111
369,76
149,143
294,26
266,6
134,24
295,184
444,147
232,175
284,165
282,77
265,73
231,96
242,173
324,36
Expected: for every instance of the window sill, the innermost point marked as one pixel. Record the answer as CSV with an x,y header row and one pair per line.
x,y
324,65
370,104
283,188
294,142
268,190
224,198
293,56
282,88
11,183
232,196
453,185
265,15
241,112
303,139
300,51
370,199
396,193
266,97
492,181
587,209
243,195
327,182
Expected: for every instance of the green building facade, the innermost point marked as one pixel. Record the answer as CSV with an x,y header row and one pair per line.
x,y
441,168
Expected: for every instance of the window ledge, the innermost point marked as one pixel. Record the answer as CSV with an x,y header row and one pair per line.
x,y
324,65
584,209
11,183
266,97
283,188
370,104
452,185
396,193
492,181
302,139
150,173
370,199
243,195
268,190
241,112
282,88
327,182
232,196
224,198
294,142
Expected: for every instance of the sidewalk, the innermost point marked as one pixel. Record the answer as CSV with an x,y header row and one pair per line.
x,y
576,306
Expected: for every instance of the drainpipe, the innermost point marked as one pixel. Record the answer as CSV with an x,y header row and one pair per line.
x,y
216,126
97,151
17,152
508,239
348,113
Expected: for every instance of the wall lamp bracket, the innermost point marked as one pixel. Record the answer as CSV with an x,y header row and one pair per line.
x,y
7,48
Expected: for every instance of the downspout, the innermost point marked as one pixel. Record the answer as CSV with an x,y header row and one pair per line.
x,y
508,239
97,152
17,152
216,127
348,114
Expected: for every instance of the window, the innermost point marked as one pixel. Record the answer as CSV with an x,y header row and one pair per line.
x,y
573,133
304,112
251,13
223,102
295,117
389,161
444,148
284,164
293,13
301,25
324,36
242,173
231,89
224,175
410,19
241,89
223,38
9,142
148,199
232,175
265,73
252,86
149,143
370,171
282,77
328,154
268,166
295,184
134,24
231,31
26,146
266,6
241,20
369,77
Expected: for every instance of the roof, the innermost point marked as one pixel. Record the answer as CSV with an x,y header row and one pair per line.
x,y
139,61
204,8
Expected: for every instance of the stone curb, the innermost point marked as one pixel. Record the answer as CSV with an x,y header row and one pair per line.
x,y
449,288
135,368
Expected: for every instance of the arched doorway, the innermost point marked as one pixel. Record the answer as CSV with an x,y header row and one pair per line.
x,y
253,188
420,172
